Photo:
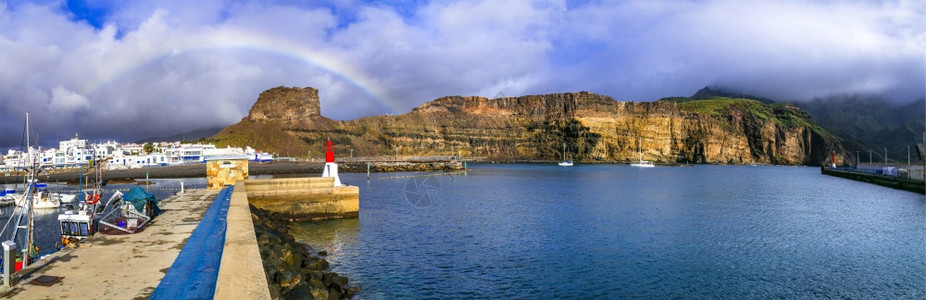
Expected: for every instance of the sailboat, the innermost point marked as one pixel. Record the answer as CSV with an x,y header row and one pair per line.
x,y
27,211
642,163
565,163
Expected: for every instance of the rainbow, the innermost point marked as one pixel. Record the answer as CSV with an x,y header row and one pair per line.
x,y
237,40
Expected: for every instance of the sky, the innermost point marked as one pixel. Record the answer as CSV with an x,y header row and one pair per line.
x,y
126,70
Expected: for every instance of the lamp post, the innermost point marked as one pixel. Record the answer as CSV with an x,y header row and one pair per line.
x,y
869,156
885,156
908,155
856,159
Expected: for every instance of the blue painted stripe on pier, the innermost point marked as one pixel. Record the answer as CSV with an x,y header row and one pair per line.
x,y
195,271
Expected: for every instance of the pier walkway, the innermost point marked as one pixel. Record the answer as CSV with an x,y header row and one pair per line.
x,y
119,266
912,185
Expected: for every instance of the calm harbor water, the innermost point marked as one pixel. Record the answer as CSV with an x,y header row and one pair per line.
x,y
604,231
47,231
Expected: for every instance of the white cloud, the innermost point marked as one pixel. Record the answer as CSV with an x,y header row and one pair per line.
x,y
65,100
163,67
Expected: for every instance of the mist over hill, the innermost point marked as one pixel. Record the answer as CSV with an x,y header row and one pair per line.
x,y
863,122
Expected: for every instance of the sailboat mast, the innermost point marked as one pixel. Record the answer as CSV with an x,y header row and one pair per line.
x,y
564,151
28,145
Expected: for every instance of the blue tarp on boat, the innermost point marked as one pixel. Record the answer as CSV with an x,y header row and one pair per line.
x,y
138,197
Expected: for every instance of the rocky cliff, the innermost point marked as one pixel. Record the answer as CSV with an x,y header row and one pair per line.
x,y
594,128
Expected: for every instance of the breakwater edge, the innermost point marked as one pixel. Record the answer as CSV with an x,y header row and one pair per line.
x,y
274,168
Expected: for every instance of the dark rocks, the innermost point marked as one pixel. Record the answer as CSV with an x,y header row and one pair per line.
x,y
292,268
315,263
302,291
323,253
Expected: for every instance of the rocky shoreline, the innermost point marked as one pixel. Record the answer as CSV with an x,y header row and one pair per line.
x,y
294,270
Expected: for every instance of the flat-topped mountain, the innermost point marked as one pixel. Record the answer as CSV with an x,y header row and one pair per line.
x,y
595,128
286,105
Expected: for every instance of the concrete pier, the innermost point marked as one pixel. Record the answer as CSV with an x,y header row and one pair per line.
x,y
241,275
118,266
912,185
309,198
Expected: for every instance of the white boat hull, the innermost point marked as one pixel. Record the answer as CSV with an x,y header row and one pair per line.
x,y
42,201
565,164
643,164
65,198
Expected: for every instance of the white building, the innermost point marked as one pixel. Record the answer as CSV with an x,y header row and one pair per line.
x,y
76,152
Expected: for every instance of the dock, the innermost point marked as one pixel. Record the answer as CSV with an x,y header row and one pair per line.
x,y
912,185
118,266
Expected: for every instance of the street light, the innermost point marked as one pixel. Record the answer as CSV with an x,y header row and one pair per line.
x,y
908,155
885,156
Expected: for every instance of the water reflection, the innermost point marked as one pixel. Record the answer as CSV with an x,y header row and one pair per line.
x,y
329,235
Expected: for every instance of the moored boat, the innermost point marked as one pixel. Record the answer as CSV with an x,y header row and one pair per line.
x,y
565,163
8,196
642,163
81,218
41,198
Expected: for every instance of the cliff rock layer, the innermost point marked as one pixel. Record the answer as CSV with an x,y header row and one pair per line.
x,y
286,105
594,128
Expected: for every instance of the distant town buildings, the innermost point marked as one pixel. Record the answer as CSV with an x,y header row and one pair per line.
x,y
78,152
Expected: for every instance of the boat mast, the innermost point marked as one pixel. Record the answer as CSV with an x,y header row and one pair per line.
x,y
29,234
564,151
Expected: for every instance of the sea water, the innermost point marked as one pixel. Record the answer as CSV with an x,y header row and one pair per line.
x,y
607,231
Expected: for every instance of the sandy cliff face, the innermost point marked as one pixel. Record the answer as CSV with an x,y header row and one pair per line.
x,y
595,128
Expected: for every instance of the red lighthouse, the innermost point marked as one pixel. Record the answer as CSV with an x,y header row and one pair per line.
x,y
331,168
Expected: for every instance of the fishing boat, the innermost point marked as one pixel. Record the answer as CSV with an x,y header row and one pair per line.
x,y
81,219
642,163
565,163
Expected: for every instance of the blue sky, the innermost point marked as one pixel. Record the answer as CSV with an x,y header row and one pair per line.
x,y
124,70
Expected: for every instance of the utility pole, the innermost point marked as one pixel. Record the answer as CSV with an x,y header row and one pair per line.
x,y
856,159
908,155
885,156
869,157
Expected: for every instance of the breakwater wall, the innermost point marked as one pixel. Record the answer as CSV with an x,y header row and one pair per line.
x,y
261,260
241,272
911,185
273,168
308,198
